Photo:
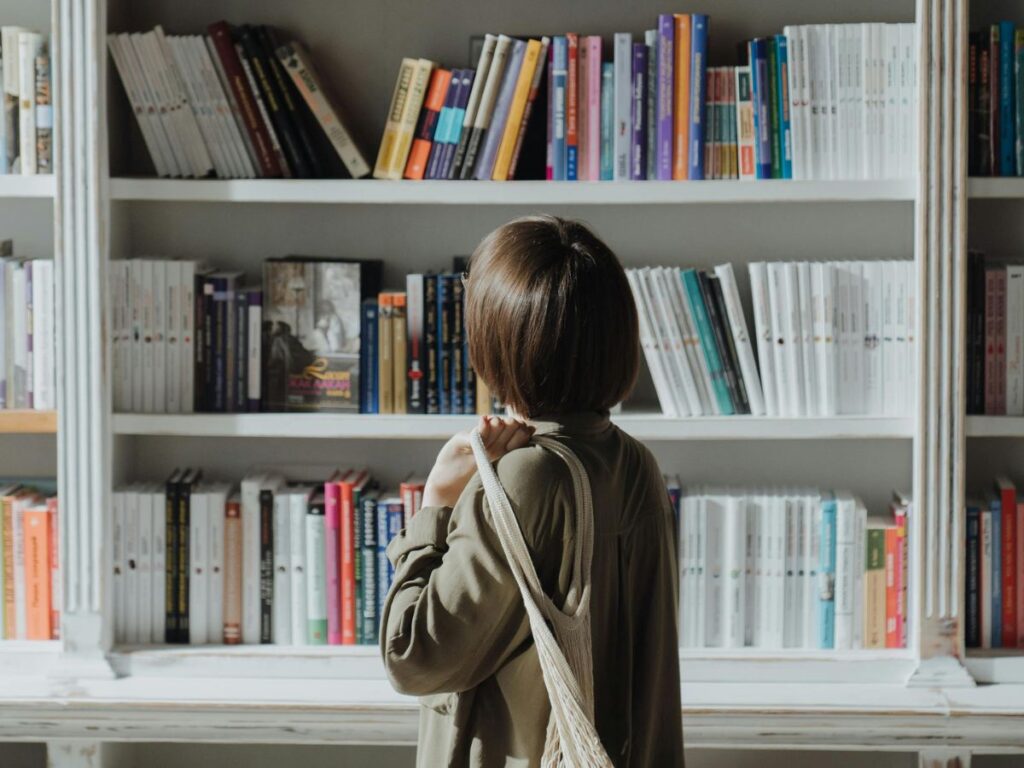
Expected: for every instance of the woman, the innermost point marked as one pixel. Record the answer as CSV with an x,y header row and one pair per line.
x,y
552,330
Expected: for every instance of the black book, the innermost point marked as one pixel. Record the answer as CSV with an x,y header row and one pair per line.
x,y
743,406
715,321
431,332
972,105
171,558
266,566
188,480
975,333
287,134
457,346
983,148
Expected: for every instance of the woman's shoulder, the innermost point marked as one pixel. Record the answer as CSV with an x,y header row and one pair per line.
x,y
531,472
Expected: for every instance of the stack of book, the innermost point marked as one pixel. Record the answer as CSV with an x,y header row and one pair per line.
x,y
28,342
994,569
995,108
236,103
791,569
29,565
26,127
826,101
995,337
265,562
831,338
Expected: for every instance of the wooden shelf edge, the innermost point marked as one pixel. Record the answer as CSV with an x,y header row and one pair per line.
x,y
27,422
376,192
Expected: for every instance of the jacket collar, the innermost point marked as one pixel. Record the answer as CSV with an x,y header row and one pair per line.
x,y
576,423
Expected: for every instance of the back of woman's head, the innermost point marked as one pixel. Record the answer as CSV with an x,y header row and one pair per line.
x,y
550,318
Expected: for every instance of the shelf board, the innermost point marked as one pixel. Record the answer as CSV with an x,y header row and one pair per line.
x,y
375,192
996,666
995,426
995,188
418,427
27,422
17,186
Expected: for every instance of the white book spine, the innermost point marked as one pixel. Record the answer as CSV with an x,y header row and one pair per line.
x,y
793,81
685,576
792,611
213,61
316,579
160,371
297,540
649,345
844,373
757,507
699,593
985,587
663,342
172,338
20,338
733,572
859,558
147,285
217,502
187,329
144,568
30,45
902,347
147,67
750,569
763,332
779,326
29,298
807,356
132,620
741,338
138,97
775,572
890,352
254,385
158,592
857,351
687,399
195,100
282,595
199,562
117,564
250,491
846,563
812,554
872,338
623,74
793,339
715,581
196,149
694,354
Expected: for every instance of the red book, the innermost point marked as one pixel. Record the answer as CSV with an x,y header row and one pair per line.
x,y
891,601
220,34
572,108
411,493
1020,574
1008,553
55,591
423,139
898,637
347,546
332,563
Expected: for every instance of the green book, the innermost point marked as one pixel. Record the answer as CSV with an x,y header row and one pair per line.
x,y
773,107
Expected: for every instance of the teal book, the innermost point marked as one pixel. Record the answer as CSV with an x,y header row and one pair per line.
x,y
774,123
827,574
691,286
607,120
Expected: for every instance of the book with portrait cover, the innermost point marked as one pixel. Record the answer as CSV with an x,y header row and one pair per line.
x,y
311,320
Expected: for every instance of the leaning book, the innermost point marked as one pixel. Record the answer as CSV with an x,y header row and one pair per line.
x,y
311,332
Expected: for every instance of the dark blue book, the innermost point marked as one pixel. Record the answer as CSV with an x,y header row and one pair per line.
x,y
219,338
785,127
698,92
368,544
972,569
638,112
390,519
456,124
431,333
445,312
996,591
368,357
456,380
1007,115
758,53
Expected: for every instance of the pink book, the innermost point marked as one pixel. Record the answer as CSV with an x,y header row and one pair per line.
x,y
549,165
332,528
593,144
900,516
1020,574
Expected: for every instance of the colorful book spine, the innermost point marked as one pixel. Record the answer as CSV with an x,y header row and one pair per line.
x,y
430,343
572,107
758,55
785,125
456,346
681,115
232,571
607,121
1008,561
827,574
996,591
691,283
442,134
517,110
746,136
773,89
638,145
972,568
557,101
493,138
1007,113
332,566
593,107
457,125
347,548
416,401
266,566
317,574
874,588
36,527
531,101
444,342
665,91
651,103
426,127
1018,103
368,358
698,79
368,544
454,164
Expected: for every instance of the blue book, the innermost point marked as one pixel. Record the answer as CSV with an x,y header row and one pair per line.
x,y
559,74
638,113
758,53
368,544
972,568
442,130
607,120
444,338
368,357
698,79
996,606
1007,116
785,128
390,520
458,117
691,286
492,139
827,574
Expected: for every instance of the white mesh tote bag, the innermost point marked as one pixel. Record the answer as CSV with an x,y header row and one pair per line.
x,y
566,655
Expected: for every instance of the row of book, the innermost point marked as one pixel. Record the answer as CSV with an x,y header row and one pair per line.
x,y
30,587
236,103
994,569
26,127
266,561
995,108
995,337
831,338
827,101
791,569
28,341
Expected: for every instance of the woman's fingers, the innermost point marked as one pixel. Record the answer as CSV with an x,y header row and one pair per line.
x,y
513,434
520,438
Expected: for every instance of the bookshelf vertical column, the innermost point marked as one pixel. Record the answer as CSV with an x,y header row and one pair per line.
x,y
82,364
940,247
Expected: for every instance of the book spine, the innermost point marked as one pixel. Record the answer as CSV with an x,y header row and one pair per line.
x,y
36,523
651,105
386,166
488,99
785,122
638,146
426,127
983,136
266,518
986,549
1000,350
347,545
545,47
665,95
698,78
220,34
607,121
241,351
431,335
991,340
442,131
458,127
902,562
721,392
254,356
996,593
171,562
995,85
368,544
972,614
487,159
593,107
874,589
474,107
198,572
515,120
444,344
400,364
623,89
572,107
416,362
557,105
582,112
44,115
457,364
1008,563
1020,574
726,345
232,630
775,133
52,507
385,354
183,563
1007,138
827,573
368,359
316,575
332,563
762,120
1018,103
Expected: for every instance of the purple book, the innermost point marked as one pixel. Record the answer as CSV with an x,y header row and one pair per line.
x,y
444,120
665,93
638,145
492,141
455,127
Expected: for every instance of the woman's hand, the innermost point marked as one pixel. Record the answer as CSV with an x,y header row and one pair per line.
x,y
455,463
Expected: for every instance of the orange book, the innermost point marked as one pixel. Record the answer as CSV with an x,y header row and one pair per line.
x,y
681,113
55,591
347,488
423,139
7,534
892,544
232,629
411,491
36,522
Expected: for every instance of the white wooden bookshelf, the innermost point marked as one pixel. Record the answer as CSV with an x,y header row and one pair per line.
x,y
84,690
530,193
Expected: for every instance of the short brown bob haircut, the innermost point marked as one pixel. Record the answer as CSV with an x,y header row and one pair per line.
x,y
550,318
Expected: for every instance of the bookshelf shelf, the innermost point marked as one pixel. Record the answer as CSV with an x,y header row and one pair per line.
x,y
995,426
25,422
995,188
13,186
996,666
378,427
374,192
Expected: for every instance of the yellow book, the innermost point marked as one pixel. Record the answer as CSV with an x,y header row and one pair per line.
x,y
874,583
515,115
389,141
400,367
385,355
410,115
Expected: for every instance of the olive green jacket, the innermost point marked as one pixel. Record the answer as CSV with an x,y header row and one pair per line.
x,y
455,632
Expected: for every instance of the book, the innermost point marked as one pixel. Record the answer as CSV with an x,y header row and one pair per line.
x,y
519,96
426,126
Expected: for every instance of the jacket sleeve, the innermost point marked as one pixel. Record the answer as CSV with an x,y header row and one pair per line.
x,y
454,614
